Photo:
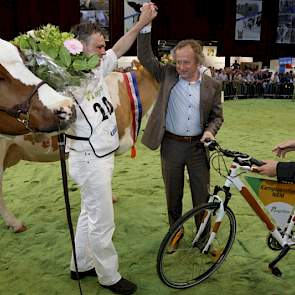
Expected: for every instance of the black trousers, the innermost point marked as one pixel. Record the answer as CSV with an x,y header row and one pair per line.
x,y
175,156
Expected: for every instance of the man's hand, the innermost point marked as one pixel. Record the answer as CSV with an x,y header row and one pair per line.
x,y
207,135
148,12
269,168
283,148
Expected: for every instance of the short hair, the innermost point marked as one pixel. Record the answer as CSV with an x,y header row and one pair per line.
x,y
84,30
196,47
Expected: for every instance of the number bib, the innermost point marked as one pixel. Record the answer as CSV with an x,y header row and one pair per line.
x,y
95,119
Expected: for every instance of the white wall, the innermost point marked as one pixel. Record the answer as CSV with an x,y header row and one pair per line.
x,y
125,61
218,62
240,59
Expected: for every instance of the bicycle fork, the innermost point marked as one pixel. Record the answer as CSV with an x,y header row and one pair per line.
x,y
219,216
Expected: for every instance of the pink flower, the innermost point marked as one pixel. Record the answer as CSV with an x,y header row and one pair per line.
x,y
74,46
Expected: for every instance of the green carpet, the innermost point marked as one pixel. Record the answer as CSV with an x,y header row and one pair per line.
x,y
36,262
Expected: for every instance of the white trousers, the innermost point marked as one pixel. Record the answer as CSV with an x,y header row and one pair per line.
x,y
94,246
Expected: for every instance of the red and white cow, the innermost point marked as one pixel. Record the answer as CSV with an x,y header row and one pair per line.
x,y
42,148
26,103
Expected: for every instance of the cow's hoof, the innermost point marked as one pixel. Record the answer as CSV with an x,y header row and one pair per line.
x,y
115,199
20,229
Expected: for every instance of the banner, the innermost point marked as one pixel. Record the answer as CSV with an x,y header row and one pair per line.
x,y
96,11
278,198
210,50
248,19
286,22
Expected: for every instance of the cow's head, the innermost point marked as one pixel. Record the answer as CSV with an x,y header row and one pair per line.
x,y
26,104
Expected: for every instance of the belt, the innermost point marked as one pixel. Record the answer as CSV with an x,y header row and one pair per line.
x,y
182,138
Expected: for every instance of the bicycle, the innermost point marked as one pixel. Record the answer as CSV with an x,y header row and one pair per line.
x,y
206,233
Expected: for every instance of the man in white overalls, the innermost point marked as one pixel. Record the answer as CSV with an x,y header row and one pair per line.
x,y
93,140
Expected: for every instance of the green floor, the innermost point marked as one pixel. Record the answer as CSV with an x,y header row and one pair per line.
x,y
36,262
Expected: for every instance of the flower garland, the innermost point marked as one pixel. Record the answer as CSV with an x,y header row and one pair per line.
x,y
56,57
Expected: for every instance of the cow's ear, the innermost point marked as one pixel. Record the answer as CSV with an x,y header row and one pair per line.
x,y
136,64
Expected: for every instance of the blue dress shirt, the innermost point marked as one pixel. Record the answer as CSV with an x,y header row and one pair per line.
x,y
183,113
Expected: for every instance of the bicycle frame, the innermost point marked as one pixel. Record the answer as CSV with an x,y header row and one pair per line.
x,y
235,179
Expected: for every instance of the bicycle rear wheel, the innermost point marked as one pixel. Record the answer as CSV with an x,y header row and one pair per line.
x,y
188,266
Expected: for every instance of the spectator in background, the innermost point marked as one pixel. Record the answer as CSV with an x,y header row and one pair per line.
x,y
236,65
205,70
275,78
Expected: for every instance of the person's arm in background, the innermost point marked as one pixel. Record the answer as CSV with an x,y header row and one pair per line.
x,y
149,12
269,168
284,147
285,171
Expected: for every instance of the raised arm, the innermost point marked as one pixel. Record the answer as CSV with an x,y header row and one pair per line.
x,y
146,55
149,12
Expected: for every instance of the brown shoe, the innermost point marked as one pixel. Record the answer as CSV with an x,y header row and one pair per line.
x,y
123,286
175,242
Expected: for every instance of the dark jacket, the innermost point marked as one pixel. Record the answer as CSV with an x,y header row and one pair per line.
x,y
286,172
211,115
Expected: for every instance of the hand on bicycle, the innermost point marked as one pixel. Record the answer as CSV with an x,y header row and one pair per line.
x,y
269,168
284,147
207,136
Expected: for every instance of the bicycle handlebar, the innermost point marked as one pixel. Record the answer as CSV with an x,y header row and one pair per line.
x,y
241,158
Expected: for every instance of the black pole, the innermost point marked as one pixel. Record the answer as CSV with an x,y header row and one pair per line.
x,y
61,143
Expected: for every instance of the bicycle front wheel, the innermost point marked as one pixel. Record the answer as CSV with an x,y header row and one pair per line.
x,y
188,266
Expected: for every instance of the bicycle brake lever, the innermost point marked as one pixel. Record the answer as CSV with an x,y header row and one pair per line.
x,y
257,162
210,144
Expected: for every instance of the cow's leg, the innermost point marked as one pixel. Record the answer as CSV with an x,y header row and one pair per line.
x,y
8,217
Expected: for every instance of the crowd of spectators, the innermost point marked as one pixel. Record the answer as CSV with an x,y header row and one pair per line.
x,y
247,75
255,83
